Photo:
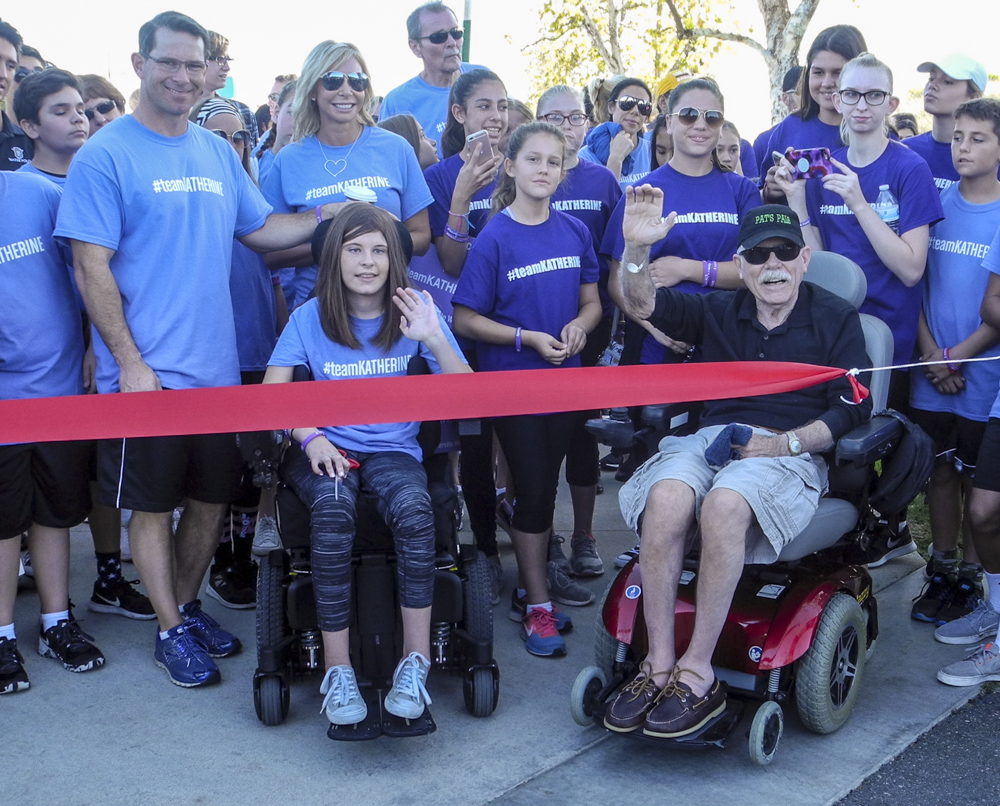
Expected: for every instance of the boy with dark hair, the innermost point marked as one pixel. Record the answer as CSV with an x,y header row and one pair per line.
x,y
15,146
49,109
951,401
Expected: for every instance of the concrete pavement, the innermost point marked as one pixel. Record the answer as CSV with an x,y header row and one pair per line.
x,y
125,735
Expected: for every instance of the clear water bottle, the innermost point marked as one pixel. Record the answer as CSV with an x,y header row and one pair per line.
x,y
887,207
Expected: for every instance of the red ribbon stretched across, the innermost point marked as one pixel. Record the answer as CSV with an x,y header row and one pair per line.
x,y
381,400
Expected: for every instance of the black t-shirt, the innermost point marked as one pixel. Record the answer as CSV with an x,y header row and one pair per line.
x,y
822,329
16,148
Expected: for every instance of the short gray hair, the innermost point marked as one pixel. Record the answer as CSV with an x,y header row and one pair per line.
x,y
413,21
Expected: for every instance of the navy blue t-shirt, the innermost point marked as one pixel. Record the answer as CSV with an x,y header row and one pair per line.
x,y
795,132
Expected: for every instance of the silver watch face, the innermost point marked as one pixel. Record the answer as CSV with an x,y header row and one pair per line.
x,y
633,268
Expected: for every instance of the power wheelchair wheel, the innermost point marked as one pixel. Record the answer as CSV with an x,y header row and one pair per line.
x,y
481,686
271,699
829,674
270,605
586,687
765,732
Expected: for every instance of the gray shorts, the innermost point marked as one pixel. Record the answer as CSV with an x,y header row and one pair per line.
x,y
783,492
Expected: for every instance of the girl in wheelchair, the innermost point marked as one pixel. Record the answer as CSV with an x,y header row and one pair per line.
x,y
350,330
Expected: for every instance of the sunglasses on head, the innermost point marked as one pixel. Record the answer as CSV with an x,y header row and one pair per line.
x,y
758,255
334,80
104,107
689,115
239,138
440,37
22,73
627,102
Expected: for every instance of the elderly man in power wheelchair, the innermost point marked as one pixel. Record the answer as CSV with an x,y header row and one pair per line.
x,y
751,478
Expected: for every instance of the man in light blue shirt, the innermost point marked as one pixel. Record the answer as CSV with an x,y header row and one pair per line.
x,y
436,39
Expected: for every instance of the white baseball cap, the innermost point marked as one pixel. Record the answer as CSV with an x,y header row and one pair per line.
x,y
960,68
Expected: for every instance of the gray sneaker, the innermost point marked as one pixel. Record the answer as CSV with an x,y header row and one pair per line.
x,y
556,553
584,559
408,695
265,539
564,590
982,665
626,557
343,703
981,623
496,579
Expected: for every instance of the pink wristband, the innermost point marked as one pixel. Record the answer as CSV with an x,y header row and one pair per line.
x,y
947,357
309,439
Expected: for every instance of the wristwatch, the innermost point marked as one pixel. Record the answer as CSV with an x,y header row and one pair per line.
x,y
633,268
794,444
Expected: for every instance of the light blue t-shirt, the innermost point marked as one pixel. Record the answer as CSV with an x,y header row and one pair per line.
x,y
640,166
169,207
41,332
304,342
307,173
954,285
28,168
253,308
428,104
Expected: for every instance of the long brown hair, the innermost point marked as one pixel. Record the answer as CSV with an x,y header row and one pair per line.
x,y
358,219
506,191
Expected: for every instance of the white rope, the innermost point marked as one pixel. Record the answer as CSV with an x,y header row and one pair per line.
x,y
855,372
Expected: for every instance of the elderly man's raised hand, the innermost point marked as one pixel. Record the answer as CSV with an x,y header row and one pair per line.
x,y
644,224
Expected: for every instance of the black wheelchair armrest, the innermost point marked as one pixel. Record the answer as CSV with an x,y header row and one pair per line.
x,y
616,431
868,442
669,416
261,450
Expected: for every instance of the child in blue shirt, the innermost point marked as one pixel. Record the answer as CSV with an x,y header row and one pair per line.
x,y
350,330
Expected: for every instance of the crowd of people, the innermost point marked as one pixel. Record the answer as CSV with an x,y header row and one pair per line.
x,y
194,242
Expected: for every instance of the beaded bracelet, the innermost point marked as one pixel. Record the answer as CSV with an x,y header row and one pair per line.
x,y
947,357
711,273
455,235
309,439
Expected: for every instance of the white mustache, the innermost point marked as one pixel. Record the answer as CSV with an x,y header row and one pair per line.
x,y
774,276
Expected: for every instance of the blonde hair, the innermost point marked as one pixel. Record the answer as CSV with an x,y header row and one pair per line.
x,y
870,61
599,90
328,55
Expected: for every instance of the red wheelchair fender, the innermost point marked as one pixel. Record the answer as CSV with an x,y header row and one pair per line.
x,y
794,625
623,602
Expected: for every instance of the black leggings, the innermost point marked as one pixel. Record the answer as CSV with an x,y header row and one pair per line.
x,y
535,446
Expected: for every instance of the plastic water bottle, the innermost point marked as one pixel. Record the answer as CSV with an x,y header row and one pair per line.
x,y
887,207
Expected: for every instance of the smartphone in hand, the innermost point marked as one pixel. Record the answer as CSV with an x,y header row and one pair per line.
x,y
486,153
809,163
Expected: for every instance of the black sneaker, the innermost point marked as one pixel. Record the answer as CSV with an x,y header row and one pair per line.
x,y
885,545
121,599
933,598
965,597
66,642
234,586
611,461
12,675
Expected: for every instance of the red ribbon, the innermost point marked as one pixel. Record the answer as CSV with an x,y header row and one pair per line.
x,y
381,400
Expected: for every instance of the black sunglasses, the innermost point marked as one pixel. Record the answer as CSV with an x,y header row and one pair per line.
x,y
689,116
627,102
103,108
239,138
440,37
22,73
334,80
758,255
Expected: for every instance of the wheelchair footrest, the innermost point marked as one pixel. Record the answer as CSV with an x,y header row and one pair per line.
x,y
398,728
380,722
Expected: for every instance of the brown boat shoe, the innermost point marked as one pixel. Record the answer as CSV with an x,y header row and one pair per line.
x,y
678,711
628,711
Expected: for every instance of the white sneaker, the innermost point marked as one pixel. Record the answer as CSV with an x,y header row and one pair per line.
x,y
343,703
409,693
265,539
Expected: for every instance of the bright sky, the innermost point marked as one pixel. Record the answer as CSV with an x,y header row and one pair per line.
x,y
267,39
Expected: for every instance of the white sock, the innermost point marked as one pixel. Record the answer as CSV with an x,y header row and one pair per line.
x,y
50,620
163,635
543,606
7,631
993,582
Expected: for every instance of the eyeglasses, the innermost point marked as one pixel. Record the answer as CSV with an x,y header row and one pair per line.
x,y
239,138
22,73
759,255
872,97
273,97
689,116
627,102
103,107
221,60
334,80
556,119
440,37
174,66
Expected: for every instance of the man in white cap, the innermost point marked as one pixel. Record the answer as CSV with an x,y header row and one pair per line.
x,y
953,80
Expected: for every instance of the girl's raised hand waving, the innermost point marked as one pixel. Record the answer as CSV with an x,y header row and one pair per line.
x,y
420,319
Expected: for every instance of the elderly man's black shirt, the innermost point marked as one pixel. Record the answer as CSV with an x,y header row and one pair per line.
x,y
822,329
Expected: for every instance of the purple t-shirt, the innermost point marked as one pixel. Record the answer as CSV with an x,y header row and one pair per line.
x,y
798,133
910,181
530,277
441,178
937,156
426,274
590,194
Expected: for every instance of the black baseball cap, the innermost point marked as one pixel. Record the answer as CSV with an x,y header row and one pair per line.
x,y
770,221
791,80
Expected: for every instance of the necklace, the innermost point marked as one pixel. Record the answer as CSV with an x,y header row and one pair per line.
x,y
341,164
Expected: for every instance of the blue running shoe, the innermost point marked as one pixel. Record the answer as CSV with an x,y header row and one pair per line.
x,y
538,629
184,660
219,643
519,607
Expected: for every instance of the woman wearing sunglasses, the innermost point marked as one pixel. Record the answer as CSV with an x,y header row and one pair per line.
x,y
619,144
817,122
336,147
697,254
102,103
232,579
